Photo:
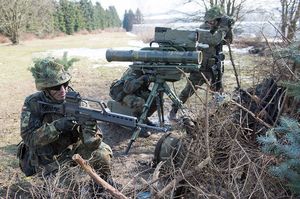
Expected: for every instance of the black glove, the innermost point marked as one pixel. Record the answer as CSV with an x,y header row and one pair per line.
x,y
65,123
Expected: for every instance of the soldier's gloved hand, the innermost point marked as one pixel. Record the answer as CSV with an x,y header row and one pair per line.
x,y
65,123
151,78
144,78
91,137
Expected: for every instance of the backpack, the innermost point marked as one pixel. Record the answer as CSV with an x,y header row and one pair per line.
x,y
24,156
116,90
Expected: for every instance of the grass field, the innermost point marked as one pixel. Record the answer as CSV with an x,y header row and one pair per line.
x,y
93,82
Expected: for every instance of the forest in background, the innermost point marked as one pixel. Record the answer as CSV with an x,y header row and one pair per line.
x,y
46,17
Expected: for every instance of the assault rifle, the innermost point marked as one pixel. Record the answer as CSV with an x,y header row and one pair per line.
x,y
74,107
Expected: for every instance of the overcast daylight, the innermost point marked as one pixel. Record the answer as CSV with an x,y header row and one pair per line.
x,y
144,99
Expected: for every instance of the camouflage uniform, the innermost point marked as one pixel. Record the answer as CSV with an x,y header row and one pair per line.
x,y
45,146
210,38
136,89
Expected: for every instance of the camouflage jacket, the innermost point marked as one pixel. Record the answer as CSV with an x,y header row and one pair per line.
x,y
134,82
39,133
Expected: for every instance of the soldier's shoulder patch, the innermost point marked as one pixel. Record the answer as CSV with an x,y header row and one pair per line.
x,y
25,117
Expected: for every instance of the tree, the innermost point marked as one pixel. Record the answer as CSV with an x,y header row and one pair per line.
x,y
88,13
79,23
115,20
128,20
68,11
290,15
15,16
283,142
138,17
99,16
232,8
41,20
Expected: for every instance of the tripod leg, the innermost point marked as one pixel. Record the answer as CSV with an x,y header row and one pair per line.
x,y
149,102
173,97
143,116
159,110
161,103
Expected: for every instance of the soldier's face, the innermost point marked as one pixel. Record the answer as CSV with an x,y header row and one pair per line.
x,y
59,92
212,23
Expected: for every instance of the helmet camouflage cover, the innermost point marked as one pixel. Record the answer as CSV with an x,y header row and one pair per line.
x,y
213,13
170,149
49,72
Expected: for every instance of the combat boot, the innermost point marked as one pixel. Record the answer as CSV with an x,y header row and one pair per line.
x,y
172,114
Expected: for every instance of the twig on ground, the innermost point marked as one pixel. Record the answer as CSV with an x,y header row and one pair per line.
x,y
177,179
155,178
10,183
251,113
113,191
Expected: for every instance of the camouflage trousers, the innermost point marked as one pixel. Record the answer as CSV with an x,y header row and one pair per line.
x,y
189,89
99,159
136,103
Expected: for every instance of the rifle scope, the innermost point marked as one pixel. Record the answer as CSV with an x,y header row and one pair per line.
x,y
155,56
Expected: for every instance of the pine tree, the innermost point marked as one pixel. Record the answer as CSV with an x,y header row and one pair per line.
x,y
139,19
115,20
60,21
69,15
88,13
125,20
128,20
283,142
99,16
79,23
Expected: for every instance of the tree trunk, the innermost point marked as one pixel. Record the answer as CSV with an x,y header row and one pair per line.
x,y
15,38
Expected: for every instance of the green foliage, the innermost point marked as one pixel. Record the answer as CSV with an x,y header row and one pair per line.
x,y
293,89
79,23
290,52
48,16
50,67
128,21
68,10
67,63
283,142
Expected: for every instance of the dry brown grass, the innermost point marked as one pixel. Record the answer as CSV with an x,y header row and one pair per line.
x,y
3,39
223,160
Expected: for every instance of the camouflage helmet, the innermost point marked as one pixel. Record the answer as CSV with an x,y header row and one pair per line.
x,y
213,13
49,72
170,149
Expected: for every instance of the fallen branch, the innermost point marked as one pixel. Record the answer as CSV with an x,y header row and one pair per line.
x,y
113,191
155,177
